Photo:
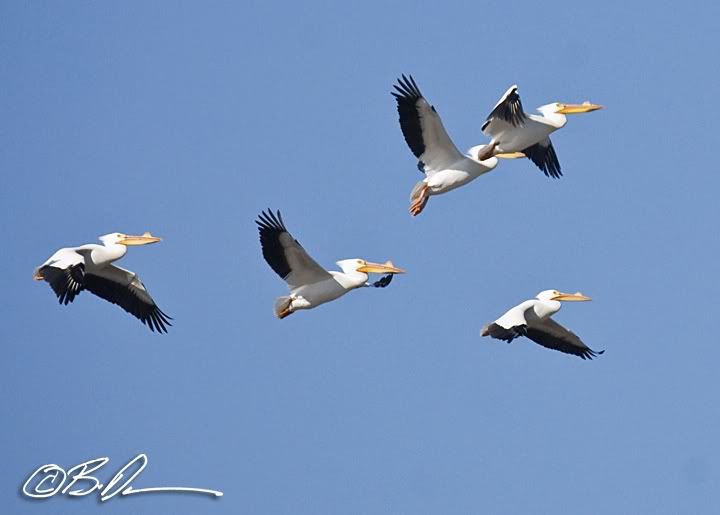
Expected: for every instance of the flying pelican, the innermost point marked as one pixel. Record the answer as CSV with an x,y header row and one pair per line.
x,y
445,168
89,267
532,319
310,284
515,133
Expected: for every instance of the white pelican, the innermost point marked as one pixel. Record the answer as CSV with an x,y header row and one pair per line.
x,y
532,319
515,133
89,267
310,284
444,166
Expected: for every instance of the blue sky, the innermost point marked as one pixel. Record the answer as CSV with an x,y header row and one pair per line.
x,y
186,119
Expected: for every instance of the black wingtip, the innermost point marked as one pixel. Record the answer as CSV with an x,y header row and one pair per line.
x,y
408,98
407,89
269,220
590,354
545,158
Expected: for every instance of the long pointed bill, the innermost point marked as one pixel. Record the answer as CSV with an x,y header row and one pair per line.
x,y
376,268
571,297
585,107
139,240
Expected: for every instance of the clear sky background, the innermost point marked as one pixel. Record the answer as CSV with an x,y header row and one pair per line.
x,y
188,118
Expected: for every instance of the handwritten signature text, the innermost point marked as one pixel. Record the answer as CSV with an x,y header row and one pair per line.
x,y
51,479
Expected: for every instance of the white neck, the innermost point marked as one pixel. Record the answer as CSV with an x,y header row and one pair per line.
x,y
107,253
350,280
556,120
546,308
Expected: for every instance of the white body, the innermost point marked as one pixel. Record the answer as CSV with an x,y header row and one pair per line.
x,y
335,285
93,256
536,129
530,312
442,175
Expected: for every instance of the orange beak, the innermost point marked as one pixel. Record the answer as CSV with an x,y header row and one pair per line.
x,y
376,268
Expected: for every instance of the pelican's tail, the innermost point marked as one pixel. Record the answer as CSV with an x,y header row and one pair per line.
x,y
419,197
283,307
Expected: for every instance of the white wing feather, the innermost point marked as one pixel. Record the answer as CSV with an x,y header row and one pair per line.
x,y
515,316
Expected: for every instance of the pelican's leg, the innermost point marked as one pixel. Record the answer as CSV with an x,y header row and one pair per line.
x,y
418,203
284,306
488,151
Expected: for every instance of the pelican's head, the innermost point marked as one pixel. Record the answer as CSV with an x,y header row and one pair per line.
x,y
349,266
560,296
118,238
560,108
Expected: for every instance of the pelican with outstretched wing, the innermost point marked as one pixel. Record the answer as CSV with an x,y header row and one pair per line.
x,y
515,133
532,319
445,168
310,284
90,267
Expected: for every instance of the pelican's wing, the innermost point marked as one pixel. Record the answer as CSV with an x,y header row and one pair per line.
x,y
509,109
423,129
285,255
509,326
124,288
64,271
544,156
552,335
